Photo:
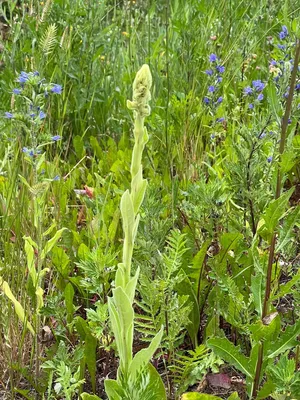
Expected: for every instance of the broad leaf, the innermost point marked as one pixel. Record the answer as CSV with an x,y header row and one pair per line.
x,y
86,396
286,341
199,396
231,354
90,348
276,210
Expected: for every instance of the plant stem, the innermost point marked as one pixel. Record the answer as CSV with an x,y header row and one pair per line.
x,y
284,126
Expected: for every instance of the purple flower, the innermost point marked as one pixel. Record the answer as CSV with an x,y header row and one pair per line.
x,y
248,90
23,77
220,68
219,79
9,115
206,100
25,150
251,106
271,133
260,97
281,46
42,115
262,135
56,178
56,89
55,138
36,73
32,115
258,85
269,159
273,62
220,99
297,87
289,121
211,88
212,136
209,72
222,119
213,58
16,91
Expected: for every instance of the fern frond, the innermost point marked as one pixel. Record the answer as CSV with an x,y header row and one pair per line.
x,y
46,10
48,40
172,257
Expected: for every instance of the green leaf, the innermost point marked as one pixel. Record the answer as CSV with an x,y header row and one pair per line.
x,y
90,357
257,289
86,396
18,308
113,390
69,295
286,341
52,242
156,386
287,287
266,390
288,225
199,396
274,101
234,396
143,357
276,210
231,354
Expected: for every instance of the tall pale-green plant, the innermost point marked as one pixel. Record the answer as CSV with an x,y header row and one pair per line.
x,y
136,377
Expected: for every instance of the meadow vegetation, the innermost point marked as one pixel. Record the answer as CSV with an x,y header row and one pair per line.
x,y
149,199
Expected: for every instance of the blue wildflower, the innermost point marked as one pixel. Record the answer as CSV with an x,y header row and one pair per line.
x,y
56,178
55,138
222,119
220,68
260,97
281,46
297,87
25,150
251,106
219,79
32,115
273,62
248,90
284,32
258,85
56,89
263,135
213,57
209,72
269,159
23,77
206,100
36,73
42,115
212,136
211,88
16,91
220,99
9,115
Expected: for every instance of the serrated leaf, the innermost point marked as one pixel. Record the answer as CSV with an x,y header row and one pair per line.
x,y
276,210
286,341
231,354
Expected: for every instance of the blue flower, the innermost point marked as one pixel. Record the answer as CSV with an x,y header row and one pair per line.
x,y
212,136
273,62
262,135
206,100
251,106
55,138
42,115
222,119
56,178
220,99
23,77
56,89
211,88
36,73
209,72
32,115
269,159
16,91
260,97
258,85
220,68
25,150
219,79
284,32
213,57
248,90
9,115
297,87
281,46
